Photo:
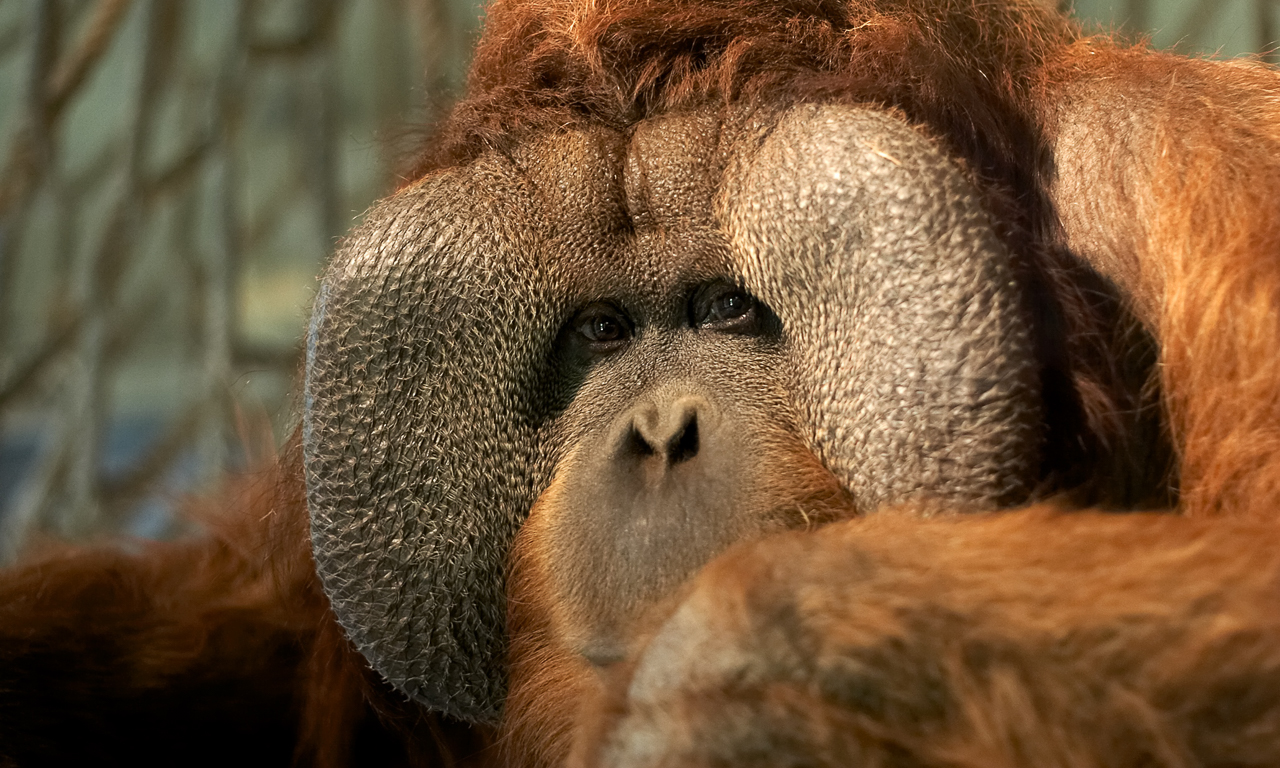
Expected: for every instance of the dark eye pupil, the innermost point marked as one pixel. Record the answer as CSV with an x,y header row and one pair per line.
x,y
604,329
730,306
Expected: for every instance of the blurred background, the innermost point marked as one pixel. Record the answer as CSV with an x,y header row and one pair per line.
x,y
175,173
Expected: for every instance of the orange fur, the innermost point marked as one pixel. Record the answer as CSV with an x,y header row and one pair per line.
x,y
1030,638
1168,182
219,649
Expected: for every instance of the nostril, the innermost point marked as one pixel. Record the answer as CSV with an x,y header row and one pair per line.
x,y
636,442
684,445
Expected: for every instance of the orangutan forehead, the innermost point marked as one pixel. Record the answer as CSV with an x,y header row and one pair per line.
x,y
629,211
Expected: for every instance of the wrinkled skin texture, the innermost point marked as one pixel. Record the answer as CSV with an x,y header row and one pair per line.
x,y
750,383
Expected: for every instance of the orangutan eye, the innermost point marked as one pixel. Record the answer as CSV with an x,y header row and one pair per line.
x,y
725,307
604,327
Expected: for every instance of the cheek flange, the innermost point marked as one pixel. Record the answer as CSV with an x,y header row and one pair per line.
x,y
915,370
427,389
419,460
